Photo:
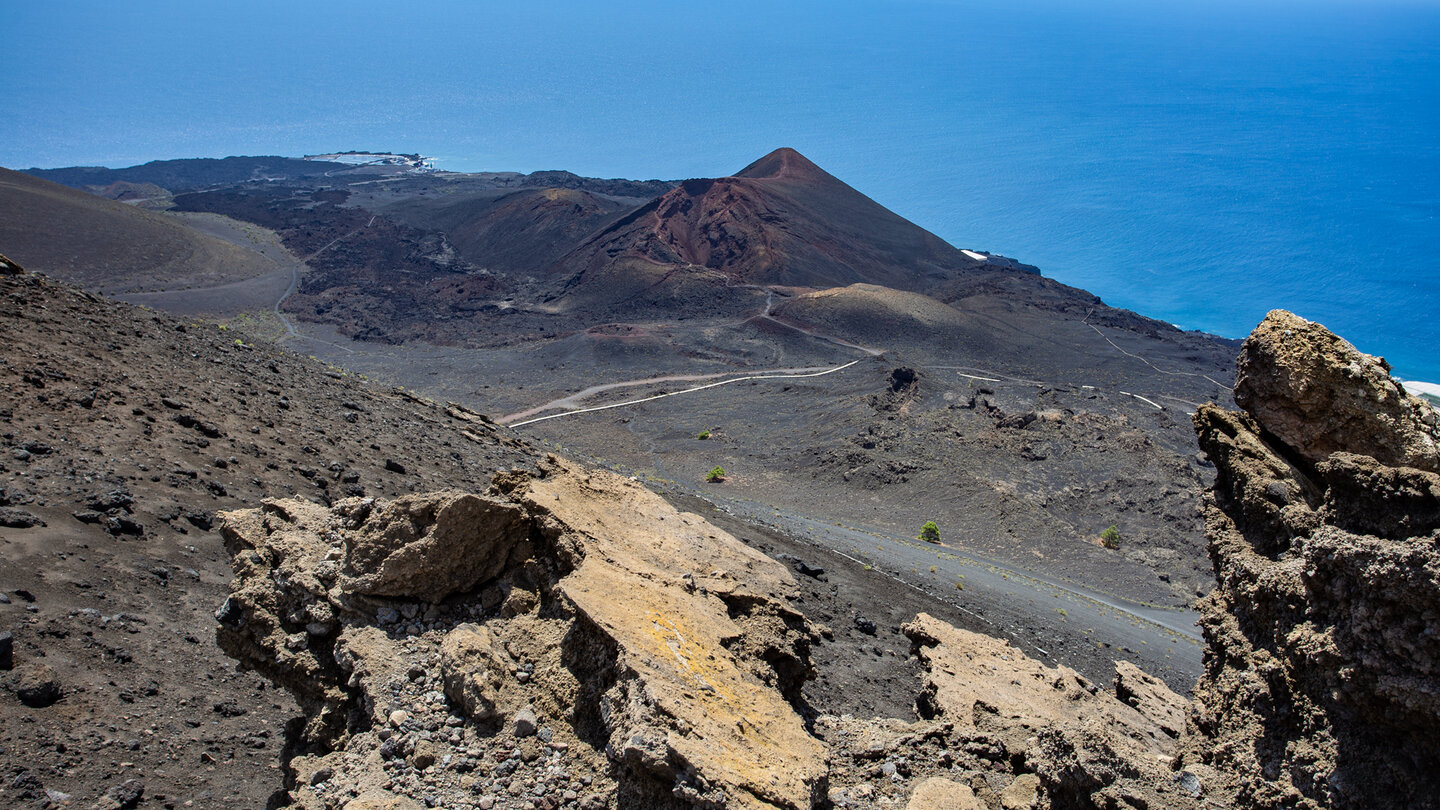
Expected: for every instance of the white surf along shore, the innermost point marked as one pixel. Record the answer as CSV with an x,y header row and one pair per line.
x,y
1418,388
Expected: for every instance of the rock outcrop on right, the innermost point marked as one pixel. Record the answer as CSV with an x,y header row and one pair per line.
x,y
1322,668
1319,395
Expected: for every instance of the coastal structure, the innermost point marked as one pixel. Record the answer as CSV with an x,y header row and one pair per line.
x,y
416,162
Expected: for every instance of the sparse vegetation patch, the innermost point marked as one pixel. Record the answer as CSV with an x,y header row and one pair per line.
x,y
930,533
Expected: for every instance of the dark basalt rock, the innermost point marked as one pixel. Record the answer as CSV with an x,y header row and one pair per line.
x,y
12,518
37,685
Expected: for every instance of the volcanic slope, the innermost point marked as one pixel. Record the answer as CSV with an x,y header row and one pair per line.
x,y
516,231
112,246
782,220
125,432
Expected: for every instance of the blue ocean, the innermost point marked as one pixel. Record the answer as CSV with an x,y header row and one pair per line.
x,y
1199,161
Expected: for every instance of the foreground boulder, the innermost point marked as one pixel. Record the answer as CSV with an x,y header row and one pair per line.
x,y
36,685
1322,668
393,551
569,638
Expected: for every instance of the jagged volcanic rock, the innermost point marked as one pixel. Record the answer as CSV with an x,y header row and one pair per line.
x,y
643,647
627,654
393,551
1322,681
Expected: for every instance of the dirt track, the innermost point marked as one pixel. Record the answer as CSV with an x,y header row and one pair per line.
x,y
1055,621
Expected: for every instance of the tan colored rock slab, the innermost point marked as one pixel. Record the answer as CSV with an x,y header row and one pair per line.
x,y
968,670
1021,794
382,800
1084,745
655,581
942,794
1150,696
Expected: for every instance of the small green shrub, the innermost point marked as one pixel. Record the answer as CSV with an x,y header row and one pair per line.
x,y
1110,538
930,533
716,475
703,435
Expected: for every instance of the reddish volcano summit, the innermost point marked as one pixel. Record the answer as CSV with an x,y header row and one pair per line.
x,y
781,220
785,162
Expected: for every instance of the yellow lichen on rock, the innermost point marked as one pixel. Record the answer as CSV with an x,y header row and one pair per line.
x,y
655,581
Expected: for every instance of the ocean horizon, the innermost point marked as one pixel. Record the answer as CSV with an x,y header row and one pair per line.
x,y
1200,163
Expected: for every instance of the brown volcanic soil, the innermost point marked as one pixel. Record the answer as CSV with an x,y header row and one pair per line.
x,y
146,425
108,245
519,232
